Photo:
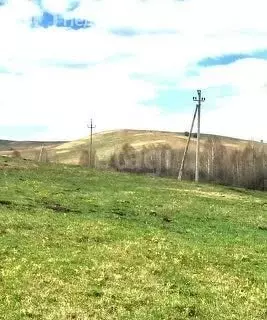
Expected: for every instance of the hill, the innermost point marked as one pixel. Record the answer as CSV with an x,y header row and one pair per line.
x,y
6,145
28,149
106,143
82,244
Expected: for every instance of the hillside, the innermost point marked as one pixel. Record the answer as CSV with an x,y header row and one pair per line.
x,y
6,146
83,244
105,143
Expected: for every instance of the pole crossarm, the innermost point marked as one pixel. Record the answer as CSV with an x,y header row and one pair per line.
x,y
91,125
199,99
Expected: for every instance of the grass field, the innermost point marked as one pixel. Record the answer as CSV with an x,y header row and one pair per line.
x,y
80,244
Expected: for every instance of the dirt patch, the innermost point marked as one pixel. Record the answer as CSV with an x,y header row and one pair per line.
x,y
264,228
6,203
56,207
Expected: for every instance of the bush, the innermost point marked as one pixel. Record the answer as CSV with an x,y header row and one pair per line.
x,y
16,154
84,159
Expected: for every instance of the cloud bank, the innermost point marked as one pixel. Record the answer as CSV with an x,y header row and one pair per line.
x,y
130,64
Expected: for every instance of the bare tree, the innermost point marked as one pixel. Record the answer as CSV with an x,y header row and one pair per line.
x,y
15,154
84,158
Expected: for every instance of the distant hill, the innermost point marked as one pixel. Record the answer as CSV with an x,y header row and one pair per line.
x,y
107,142
7,145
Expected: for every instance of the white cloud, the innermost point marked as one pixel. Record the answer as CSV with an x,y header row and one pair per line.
x,y
246,75
243,116
67,100
64,99
190,16
59,5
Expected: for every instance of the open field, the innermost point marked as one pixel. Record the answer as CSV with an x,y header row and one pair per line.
x,y
81,244
106,143
7,145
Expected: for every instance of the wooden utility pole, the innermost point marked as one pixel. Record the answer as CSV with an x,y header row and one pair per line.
x,y
264,165
91,127
198,99
181,171
41,153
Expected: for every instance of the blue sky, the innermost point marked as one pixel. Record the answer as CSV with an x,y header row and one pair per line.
x,y
18,131
132,64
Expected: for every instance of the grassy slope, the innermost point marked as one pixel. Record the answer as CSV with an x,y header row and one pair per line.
x,y
6,145
28,149
106,143
78,244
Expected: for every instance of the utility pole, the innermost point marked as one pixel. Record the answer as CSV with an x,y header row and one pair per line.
x,y
91,127
41,153
198,99
181,171
264,166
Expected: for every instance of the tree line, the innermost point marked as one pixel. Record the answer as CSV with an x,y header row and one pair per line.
x,y
243,167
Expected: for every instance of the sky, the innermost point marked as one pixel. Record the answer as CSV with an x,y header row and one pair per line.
x,y
132,64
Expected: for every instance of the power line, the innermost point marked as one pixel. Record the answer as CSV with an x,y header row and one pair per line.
x,y
91,127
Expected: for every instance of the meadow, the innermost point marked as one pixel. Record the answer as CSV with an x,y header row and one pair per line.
x,y
87,244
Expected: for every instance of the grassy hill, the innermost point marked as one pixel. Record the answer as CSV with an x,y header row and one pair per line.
x,y
105,143
81,244
6,145
27,149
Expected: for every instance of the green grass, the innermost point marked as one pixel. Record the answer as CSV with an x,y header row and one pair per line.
x,y
79,244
